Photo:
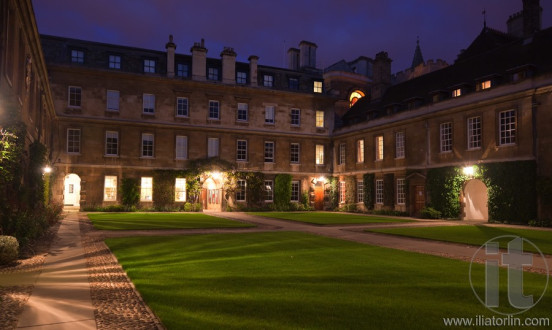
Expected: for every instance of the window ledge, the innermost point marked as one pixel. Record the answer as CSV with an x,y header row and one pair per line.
x,y
147,157
111,156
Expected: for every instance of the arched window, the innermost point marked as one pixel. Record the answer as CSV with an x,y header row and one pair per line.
x,y
355,96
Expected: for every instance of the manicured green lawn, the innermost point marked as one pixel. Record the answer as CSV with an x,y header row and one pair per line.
x,y
475,235
127,221
328,218
290,280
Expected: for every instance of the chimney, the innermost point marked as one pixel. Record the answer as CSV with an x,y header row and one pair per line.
x,y
228,65
199,61
293,59
532,15
170,47
307,54
381,74
253,69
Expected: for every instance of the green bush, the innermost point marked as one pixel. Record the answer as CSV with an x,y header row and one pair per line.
x,y
444,185
130,192
9,249
391,212
368,180
430,213
282,192
352,207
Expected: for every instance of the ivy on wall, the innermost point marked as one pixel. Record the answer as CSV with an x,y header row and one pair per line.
x,y
163,189
350,191
254,188
130,192
369,191
282,192
389,190
443,188
333,192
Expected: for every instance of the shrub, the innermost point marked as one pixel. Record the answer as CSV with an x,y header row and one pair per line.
x,y
368,179
53,212
430,213
349,208
130,192
9,249
391,212
282,192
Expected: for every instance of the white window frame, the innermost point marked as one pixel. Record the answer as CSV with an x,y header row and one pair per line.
x,y
474,128
360,191
212,73
401,193
445,137
295,117
242,112
213,145
112,100
182,107
317,87
115,62
269,151
148,137
379,148
295,191
182,70
73,141
149,66
294,153
507,127
77,56
342,192
111,138
181,147
342,154
241,78
268,191
214,110
180,190
379,191
241,150
146,189
110,188
74,97
241,191
319,119
269,114
148,103
360,150
399,145
319,154
268,80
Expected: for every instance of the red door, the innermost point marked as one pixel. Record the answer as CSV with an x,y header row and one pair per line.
x,y
319,197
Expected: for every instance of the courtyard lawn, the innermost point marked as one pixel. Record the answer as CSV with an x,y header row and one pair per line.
x,y
475,235
291,280
129,221
328,218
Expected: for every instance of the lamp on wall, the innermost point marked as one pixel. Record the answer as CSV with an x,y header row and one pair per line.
x,y
47,169
468,170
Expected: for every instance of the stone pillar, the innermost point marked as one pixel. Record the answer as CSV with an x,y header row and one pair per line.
x,y
253,59
199,61
228,65
170,47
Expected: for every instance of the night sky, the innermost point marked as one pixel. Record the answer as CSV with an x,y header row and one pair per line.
x,y
342,29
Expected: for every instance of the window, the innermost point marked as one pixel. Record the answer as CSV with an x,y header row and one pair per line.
x,y
457,92
379,191
181,147
269,115
507,128
446,136
319,119
474,132
181,70
483,85
182,107
212,74
111,143
110,188
317,87
241,77
319,157
268,191
180,190
73,141
147,145
295,117
269,152
360,151
293,83
112,100
342,191
360,191
399,145
148,103
75,94
242,111
77,56
379,147
341,154
241,150
214,111
114,61
212,147
401,194
240,191
295,191
149,66
146,189
294,153
268,80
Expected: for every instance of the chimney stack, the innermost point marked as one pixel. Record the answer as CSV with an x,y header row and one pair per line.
x,y
307,56
381,74
199,61
170,47
228,65
253,69
293,59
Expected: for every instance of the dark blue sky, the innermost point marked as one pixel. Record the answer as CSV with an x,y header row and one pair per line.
x,y
342,29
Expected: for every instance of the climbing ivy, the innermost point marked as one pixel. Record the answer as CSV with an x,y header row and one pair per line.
x,y
368,180
443,186
333,187
130,192
254,190
389,190
282,192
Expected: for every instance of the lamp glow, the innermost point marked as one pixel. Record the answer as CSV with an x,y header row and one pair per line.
x,y
468,170
47,169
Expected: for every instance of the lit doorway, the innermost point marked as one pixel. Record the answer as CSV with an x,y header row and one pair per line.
x,y
71,191
212,194
319,196
475,201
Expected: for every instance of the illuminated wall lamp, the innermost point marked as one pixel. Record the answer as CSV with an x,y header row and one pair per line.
x,y
468,170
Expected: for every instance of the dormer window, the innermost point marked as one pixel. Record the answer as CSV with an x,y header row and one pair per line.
x,y
518,76
520,73
77,56
486,84
355,96
457,92
212,74
149,66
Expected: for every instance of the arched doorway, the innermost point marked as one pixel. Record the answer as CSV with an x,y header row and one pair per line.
x,y
71,190
475,200
212,193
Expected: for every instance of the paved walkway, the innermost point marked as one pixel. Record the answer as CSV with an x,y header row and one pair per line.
x,y
61,295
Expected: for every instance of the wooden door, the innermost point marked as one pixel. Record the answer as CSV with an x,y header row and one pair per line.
x,y
319,197
419,199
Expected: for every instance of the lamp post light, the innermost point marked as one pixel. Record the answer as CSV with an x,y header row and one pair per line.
x,y
47,169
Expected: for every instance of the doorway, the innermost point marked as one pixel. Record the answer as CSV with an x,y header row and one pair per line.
x,y
71,191
419,199
319,196
475,201
212,195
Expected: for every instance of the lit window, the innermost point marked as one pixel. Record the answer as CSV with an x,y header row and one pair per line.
x,y
360,151
474,132
507,129
354,97
446,137
399,145
214,110
269,115
73,141
379,191
147,145
319,119
212,147
77,56
293,83
112,100
182,107
110,188
181,147
401,194
149,66
294,153
319,154
75,95
268,80
295,117
148,103
242,111
342,191
180,190
268,191
360,191
483,85
342,154
212,74
181,70
295,191
241,191
146,189
111,143
379,147
269,152
317,87
241,150
457,92
241,77
114,61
